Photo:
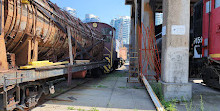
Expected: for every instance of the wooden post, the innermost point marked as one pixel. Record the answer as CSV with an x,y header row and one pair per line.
x,y
70,55
70,45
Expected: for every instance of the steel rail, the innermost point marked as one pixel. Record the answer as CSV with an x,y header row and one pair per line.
x,y
153,96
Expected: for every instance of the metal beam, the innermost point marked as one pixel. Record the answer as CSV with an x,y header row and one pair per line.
x,y
153,96
22,76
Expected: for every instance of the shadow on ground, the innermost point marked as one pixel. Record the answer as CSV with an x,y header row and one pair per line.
x,y
108,93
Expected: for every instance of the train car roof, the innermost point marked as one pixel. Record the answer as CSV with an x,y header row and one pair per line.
x,y
101,23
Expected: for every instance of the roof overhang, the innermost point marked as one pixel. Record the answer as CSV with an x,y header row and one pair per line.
x,y
129,2
159,4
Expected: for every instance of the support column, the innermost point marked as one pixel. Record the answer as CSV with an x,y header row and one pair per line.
x,y
175,52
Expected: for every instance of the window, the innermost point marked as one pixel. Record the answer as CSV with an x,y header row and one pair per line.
x,y
217,3
208,6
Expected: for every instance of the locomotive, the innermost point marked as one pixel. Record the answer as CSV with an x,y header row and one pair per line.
x,y
110,53
205,47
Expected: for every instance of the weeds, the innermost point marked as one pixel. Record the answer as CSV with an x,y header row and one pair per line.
x,y
122,87
93,109
201,104
81,109
102,86
70,108
190,107
169,105
136,87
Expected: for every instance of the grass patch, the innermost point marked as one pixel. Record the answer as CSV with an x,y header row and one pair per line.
x,y
190,107
70,108
93,109
169,105
101,86
201,104
122,87
136,87
79,109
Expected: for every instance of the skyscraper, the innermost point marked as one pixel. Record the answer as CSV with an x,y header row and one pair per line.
x,y
91,18
158,19
71,11
122,26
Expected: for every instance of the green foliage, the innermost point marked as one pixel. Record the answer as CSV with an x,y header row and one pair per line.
x,y
136,87
122,87
70,108
102,86
189,107
81,109
93,109
169,105
201,104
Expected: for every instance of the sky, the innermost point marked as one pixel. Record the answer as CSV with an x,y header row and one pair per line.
x,y
105,9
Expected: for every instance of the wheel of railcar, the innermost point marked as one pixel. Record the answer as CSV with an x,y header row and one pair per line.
x,y
210,78
96,73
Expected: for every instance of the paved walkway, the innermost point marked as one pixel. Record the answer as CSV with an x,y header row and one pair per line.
x,y
109,93
210,97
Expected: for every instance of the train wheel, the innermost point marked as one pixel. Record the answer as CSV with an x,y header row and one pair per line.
x,y
210,78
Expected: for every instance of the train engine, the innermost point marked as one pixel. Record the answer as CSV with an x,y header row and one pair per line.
x,y
206,47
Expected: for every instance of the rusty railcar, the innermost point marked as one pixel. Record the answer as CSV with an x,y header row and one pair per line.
x,y
37,31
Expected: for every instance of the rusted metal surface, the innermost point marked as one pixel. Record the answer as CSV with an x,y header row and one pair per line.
x,y
38,31
3,58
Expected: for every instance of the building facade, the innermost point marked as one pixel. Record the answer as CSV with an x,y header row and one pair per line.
x,y
91,18
71,11
122,26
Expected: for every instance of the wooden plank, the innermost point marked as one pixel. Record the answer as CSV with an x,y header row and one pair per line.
x,y
38,64
81,61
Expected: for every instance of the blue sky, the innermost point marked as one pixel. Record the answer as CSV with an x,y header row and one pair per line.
x,y
105,9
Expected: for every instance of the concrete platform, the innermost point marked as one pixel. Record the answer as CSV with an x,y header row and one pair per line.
x,y
210,97
109,93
